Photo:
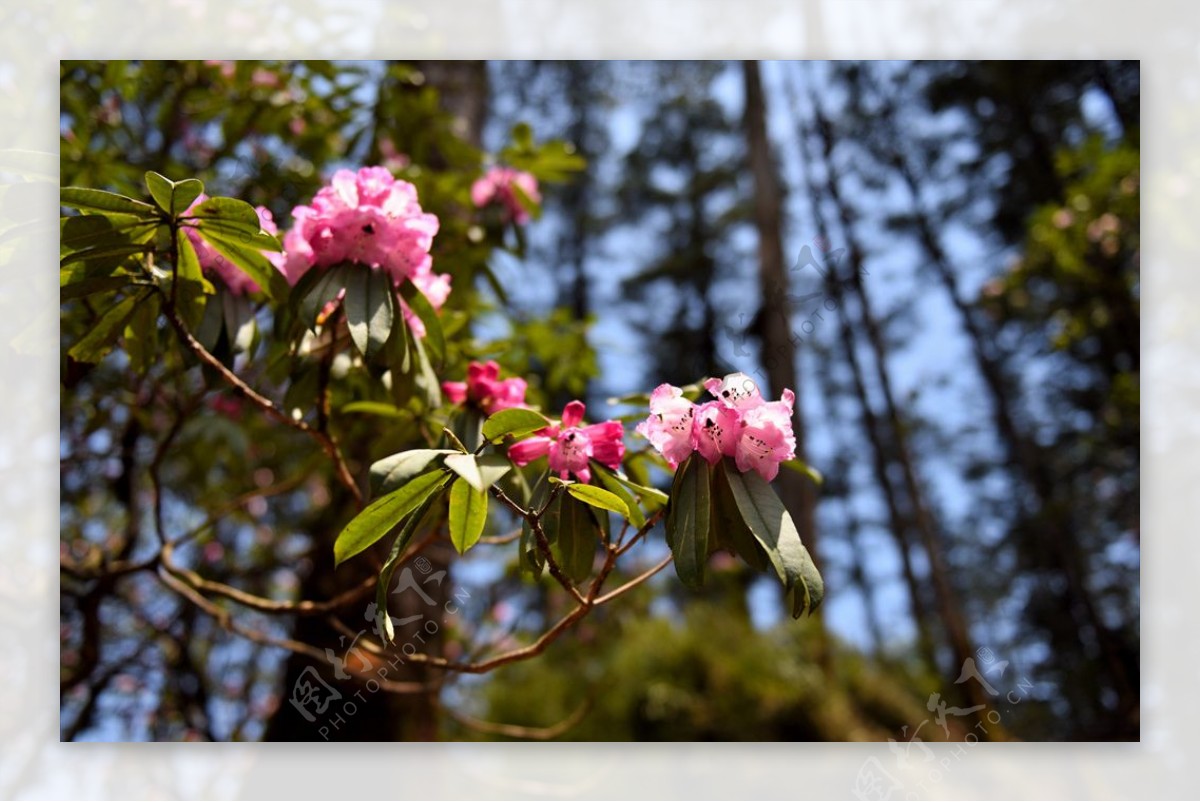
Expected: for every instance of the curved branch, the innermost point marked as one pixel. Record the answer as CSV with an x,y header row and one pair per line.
x,y
327,442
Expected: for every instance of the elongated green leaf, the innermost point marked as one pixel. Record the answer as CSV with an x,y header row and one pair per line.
x,y
161,189
323,288
652,497
183,193
234,219
729,530
529,555
774,529
382,514
141,334
375,408
606,477
249,259
435,339
468,514
466,467
577,534
97,200
189,268
802,467
492,468
241,326
411,523
516,422
599,498
191,285
392,472
688,520
103,336
426,379
369,308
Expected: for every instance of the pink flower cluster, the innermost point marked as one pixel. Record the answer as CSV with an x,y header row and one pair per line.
x,y
496,186
370,218
570,446
486,390
741,424
217,266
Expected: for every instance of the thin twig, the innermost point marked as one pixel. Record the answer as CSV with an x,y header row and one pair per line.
x,y
327,443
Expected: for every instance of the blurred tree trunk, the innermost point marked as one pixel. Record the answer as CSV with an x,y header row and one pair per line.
x,y
1053,535
778,356
949,605
381,716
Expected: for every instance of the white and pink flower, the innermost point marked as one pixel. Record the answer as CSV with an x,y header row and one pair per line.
x,y
741,424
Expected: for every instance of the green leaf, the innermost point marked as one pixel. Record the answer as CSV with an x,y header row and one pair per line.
x,y
772,526
248,258
729,529
468,513
515,422
97,200
800,466
185,192
435,339
161,189
599,498
382,514
191,285
375,408
529,556
234,218
96,344
610,482
241,326
492,468
688,520
141,335
393,560
189,268
465,466
369,307
653,498
316,293
394,471
577,533
426,379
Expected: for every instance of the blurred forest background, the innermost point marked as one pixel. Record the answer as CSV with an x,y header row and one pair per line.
x,y
941,258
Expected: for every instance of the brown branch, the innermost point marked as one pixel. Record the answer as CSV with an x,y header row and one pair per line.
x,y
327,442
302,607
633,583
535,525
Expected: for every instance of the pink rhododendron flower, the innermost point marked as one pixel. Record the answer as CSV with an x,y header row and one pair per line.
x,y
366,217
569,445
736,390
370,218
716,427
766,438
217,266
741,424
669,427
486,390
496,186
